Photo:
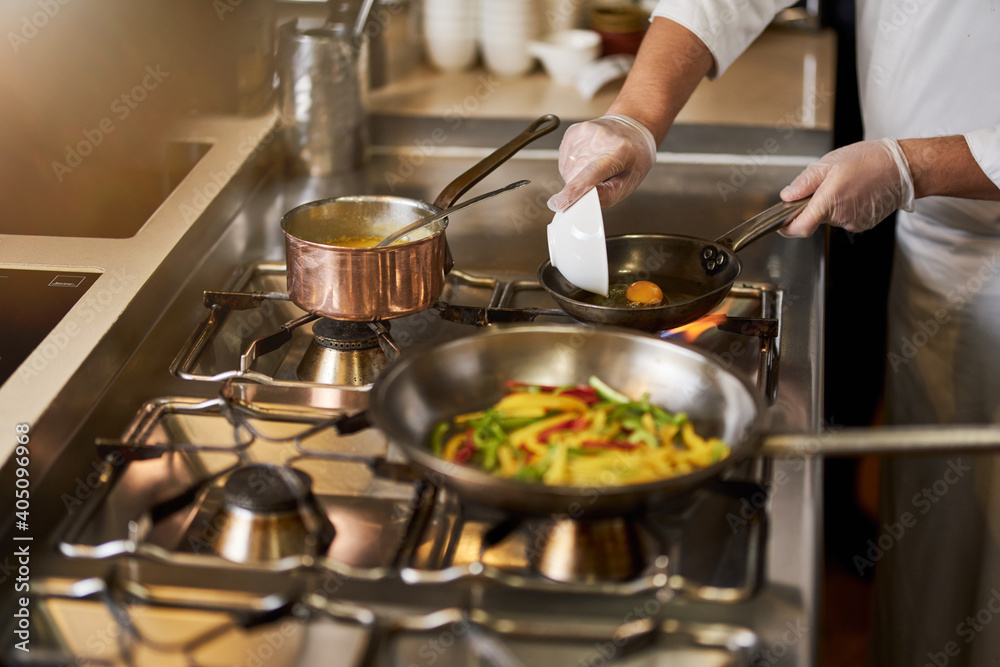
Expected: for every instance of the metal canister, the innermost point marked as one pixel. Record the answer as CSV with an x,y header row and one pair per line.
x,y
324,127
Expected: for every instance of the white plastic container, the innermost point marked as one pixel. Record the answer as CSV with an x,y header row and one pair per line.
x,y
565,52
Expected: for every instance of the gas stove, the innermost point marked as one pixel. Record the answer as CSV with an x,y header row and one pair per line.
x,y
205,510
322,530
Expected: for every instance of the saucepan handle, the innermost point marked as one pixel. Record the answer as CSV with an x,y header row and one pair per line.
x,y
347,424
761,225
897,440
484,167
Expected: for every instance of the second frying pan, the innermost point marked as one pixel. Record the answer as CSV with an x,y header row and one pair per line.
x,y
694,274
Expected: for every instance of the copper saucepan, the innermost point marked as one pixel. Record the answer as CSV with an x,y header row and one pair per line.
x,y
369,284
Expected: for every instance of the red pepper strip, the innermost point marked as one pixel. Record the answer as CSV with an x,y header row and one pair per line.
x,y
467,449
544,436
586,394
614,444
579,423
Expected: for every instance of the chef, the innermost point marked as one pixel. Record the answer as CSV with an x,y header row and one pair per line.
x,y
930,98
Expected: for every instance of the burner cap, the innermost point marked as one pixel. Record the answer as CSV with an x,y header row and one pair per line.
x,y
266,488
341,335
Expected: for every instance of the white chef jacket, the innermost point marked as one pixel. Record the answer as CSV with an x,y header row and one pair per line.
x,y
925,68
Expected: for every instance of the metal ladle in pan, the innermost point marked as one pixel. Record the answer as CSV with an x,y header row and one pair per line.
x,y
694,274
434,217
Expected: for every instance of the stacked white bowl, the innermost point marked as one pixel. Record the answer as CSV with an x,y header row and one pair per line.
x,y
505,29
449,29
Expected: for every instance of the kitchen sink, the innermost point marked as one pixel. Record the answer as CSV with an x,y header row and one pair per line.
x,y
98,197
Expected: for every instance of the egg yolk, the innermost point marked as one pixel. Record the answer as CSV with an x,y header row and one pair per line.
x,y
643,291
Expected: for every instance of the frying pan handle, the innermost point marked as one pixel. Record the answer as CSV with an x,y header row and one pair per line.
x,y
484,167
899,440
761,225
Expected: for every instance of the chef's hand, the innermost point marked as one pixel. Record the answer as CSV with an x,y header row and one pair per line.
x,y
613,153
854,187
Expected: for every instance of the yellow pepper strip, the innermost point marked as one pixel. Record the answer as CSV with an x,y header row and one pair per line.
x,y
557,472
600,419
508,464
647,422
524,412
660,467
527,436
691,439
521,401
611,430
701,458
468,416
667,433
451,448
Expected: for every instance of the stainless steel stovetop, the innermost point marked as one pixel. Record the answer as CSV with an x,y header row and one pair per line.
x,y
135,574
164,485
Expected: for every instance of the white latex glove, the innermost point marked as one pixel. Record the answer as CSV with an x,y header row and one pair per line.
x,y
613,153
854,187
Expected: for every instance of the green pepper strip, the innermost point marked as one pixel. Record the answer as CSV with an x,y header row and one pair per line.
x,y
717,451
642,435
607,393
437,438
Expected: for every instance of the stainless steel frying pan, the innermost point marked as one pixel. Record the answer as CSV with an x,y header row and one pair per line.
x,y
468,374
694,274
465,375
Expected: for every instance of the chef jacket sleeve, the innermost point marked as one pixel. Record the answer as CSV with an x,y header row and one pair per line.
x,y
985,147
726,27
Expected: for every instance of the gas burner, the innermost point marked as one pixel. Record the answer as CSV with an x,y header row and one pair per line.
x,y
588,551
269,512
342,353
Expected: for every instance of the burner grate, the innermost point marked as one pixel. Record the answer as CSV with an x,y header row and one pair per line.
x,y
113,621
256,335
165,482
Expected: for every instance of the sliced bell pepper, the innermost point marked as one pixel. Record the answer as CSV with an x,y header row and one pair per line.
x,y
528,435
508,464
622,445
607,393
520,404
557,472
437,438
451,448
667,433
468,447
